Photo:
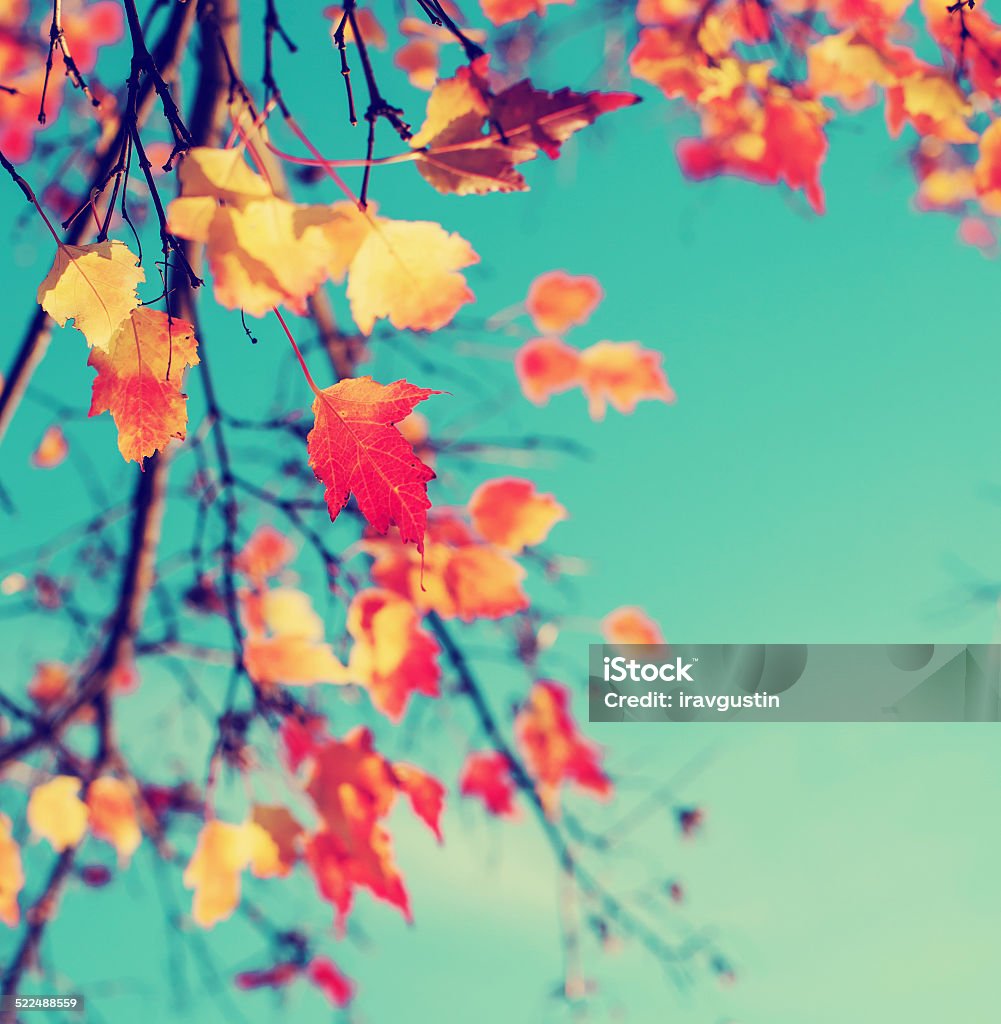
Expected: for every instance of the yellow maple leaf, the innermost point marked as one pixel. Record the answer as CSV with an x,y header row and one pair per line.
x,y
11,874
223,852
406,271
285,641
56,812
94,286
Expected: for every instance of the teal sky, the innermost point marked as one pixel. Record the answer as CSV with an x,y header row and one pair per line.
x,y
829,473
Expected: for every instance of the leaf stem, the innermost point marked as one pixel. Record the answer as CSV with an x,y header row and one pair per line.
x,y
302,362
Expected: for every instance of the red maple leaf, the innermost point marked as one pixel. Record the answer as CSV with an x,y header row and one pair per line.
x,y
355,447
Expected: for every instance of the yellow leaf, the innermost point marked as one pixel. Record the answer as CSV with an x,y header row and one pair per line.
x,y
408,272
223,853
94,286
11,875
222,173
56,812
285,641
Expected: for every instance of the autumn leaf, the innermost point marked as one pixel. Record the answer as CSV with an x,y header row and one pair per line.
x,y
622,374
630,625
486,775
458,577
223,852
112,815
139,381
425,792
405,271
89,28
554,750
558,301
419,60
51,450
933,103
546,367
354,447
510,513
472,139
56,812
285,640
616,373
392,656
50,683
95,287
353,788
263,251
11,874
19,107
340,865
847,67
501,12
778,139
265,555
285,833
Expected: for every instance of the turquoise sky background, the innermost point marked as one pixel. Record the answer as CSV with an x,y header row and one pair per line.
x,y
829,473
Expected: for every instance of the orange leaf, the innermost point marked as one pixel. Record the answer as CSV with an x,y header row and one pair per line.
x,y
558,301
353,787
139,381
50,683
629,625
392,656
56,812
546,367
51,450
510,513
621,373
355,447
264,555
500,12
554,750
11,875
419,59
459,577
112,815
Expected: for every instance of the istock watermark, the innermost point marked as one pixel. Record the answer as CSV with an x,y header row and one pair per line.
x,y
795,683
